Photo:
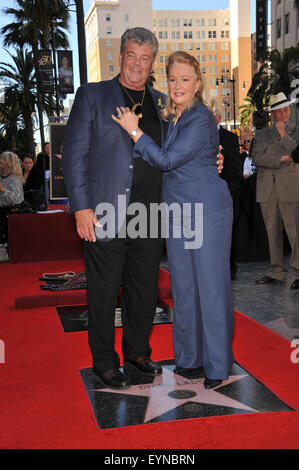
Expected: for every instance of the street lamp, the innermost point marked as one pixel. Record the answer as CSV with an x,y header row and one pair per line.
x,y
233,81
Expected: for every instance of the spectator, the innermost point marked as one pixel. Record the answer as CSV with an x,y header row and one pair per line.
x,y
248,167
33,183
278,189
232,171
11,194
33,177
43,164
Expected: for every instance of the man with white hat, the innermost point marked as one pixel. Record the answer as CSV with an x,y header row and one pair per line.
x,y
278,187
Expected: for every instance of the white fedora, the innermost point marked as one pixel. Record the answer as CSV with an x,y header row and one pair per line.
x,y
279,101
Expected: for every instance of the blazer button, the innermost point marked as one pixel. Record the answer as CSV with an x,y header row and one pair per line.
x,y
127,189
131,167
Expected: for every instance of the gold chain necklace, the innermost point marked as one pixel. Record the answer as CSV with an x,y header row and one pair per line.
x,y
134,108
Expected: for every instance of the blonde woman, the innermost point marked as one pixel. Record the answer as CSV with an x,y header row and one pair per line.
x,y
200,275
11,180
11,194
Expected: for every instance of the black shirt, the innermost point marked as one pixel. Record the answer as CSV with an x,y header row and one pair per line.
x,y
146,183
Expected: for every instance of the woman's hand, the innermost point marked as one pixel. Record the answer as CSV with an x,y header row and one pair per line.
x,y
126,119
220,160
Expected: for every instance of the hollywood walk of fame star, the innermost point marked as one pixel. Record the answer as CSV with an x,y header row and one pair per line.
x,y
169,391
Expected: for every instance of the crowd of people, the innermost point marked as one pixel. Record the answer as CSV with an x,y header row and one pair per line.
x,y
167,149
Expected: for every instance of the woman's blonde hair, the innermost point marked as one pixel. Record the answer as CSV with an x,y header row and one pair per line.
x,y
181,57
14,167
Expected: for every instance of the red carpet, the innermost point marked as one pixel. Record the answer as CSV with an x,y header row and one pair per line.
x,y
44,404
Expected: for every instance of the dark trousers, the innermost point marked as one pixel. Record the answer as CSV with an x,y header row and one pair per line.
x,y
134,264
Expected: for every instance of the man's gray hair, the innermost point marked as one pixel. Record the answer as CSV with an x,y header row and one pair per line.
x,y
140,36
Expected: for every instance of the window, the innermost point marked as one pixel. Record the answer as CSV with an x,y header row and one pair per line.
x,y
175,22
110,68
200,22
200,34
212,21
110,56
109,30
163,46
203,69
212,46
109,43
162,71
224,46
213,69
225,91
286,23
126,18
187,34
162,23
214,92
176,47
108,16
278,27
188,22
212,34
213,58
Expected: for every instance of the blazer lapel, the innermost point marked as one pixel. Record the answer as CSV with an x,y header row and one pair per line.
x,y
118,99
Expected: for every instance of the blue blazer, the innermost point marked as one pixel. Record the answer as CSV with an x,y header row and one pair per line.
x,y
188,159
98,153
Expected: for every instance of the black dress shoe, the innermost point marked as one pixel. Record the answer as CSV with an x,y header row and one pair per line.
x,y
266,280
144,365
113,378
195,373
211,383
295,284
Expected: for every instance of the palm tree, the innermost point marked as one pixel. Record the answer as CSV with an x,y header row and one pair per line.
x,y
32,27
276,74
10,120
19,91
246,111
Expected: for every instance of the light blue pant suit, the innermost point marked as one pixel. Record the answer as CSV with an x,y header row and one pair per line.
x,y
200,276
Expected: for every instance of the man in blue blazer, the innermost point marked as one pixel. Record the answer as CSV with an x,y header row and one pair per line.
x,y
99,171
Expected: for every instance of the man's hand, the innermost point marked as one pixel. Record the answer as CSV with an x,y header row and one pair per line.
x,y
220,160
286,158
86,221
280,128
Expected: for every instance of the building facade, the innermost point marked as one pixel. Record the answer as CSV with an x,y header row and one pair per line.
x,y
285,24
105,22
219,39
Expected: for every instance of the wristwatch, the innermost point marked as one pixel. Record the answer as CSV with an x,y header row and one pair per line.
x,y
134,132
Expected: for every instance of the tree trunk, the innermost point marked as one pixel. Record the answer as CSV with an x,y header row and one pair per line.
x,y
81,42
39,95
